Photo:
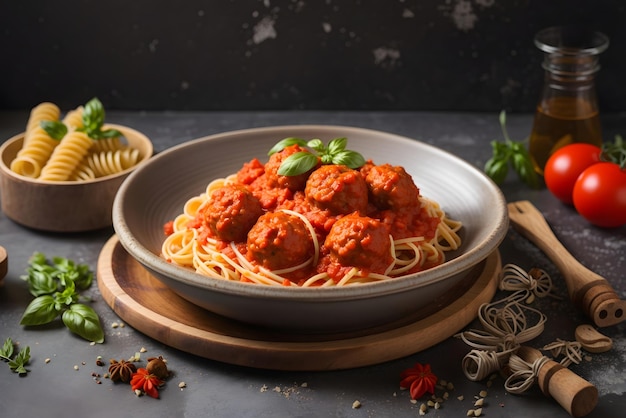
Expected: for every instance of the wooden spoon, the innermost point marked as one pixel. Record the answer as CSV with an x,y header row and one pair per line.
x,y
587,290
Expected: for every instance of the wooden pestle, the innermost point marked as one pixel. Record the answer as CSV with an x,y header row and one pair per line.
x,y
588,291
576,395
4,263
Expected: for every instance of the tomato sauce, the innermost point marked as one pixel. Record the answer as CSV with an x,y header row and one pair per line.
x,y
353,212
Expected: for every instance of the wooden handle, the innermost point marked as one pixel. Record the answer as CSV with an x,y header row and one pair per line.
x,y
4,263
589,291
576,395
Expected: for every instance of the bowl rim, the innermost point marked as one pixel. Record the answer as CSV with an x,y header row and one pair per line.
x,y
463,262
20,136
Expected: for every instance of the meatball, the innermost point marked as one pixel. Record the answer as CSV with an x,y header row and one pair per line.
x,y
337,188
279,240
391,187
360,241
275,180
230,213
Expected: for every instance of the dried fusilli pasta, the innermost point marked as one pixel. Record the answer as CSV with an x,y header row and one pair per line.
x,y
105,163
83,172
66,156
108,144
74,119
34,155
39,113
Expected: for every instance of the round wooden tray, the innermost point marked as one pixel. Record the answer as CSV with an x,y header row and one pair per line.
x,y
149,306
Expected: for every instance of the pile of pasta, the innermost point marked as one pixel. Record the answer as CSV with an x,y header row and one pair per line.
x,y
75,157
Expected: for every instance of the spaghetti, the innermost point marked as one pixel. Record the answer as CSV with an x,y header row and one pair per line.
x,y
292,235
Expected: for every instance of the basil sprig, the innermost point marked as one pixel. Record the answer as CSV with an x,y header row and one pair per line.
x,y
513,153
302,161
93,119
56,287
17,362
615,151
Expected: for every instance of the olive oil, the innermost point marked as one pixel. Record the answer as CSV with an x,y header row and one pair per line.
x,y
559,122
568,108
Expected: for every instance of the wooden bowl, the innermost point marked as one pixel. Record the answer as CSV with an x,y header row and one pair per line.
x,y
70,206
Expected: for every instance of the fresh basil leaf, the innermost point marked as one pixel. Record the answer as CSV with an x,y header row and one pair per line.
x,y
6,352
298,163
284,143
55,128
525,170
41,310
349,158
41,283
67,297
497,169
317,145
83,321
108,133
337,145
93,116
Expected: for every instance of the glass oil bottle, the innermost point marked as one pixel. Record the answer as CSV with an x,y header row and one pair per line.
x,y
567,111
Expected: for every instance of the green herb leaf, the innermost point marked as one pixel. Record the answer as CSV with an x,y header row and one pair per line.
x,y
6,352
349,158
41,282
93,120
18,364
83,320
337,145
301,162
513,153
615,151
316,144
55,128
55,285
41,310
297,163
287,142
497,169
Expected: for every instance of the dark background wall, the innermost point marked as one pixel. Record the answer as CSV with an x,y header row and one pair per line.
x,y
463,55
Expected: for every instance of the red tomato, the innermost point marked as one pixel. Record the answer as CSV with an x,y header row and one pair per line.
x,y
565,165
600,195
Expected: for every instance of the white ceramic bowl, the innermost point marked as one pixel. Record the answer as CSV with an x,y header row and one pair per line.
x,y
156,192
69,206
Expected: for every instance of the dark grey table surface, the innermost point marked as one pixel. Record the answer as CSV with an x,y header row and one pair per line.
x,y
56,388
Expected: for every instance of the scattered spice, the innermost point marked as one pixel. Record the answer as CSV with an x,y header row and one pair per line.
x,y
146,382
121,371
157,367
419,379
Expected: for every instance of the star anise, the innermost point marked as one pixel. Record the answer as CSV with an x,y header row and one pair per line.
x,y
419,379
121,371
146,382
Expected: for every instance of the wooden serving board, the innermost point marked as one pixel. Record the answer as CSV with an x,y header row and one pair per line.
x,y
149,306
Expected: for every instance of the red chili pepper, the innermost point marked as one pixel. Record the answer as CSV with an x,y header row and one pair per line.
x,y
146,382
419,379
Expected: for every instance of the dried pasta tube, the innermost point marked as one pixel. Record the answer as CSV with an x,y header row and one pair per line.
x,y
34,155
39,113
74,119
66,156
